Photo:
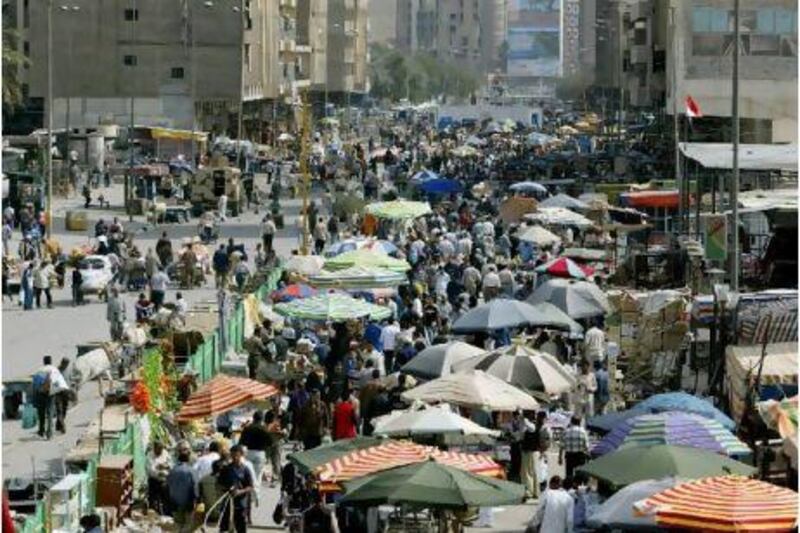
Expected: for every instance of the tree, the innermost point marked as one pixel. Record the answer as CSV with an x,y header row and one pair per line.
x,y
13,60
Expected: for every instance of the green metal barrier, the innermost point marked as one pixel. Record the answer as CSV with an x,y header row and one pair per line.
x,y
206,361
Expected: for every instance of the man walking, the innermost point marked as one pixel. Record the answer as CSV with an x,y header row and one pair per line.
x,y
555,513
115,314
221,264
47,382
268,230
235,477
182,486
575,446
158,289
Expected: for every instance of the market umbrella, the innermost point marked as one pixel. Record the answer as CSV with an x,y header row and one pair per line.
x,y
366,258
635,463
474,389
335,307
539,236
724,503
617,512
563,267
424,175
285,137
558,216
292,292
221,394
553,317
564,200
441,186
578,299
428,484
495,314
523,367
437,360
516,207
358,277
394,453
309,460
399,209
436,420
668,401
349,245
672,427
306,265
529,187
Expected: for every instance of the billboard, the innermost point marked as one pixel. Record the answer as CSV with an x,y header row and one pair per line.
x,y
534,38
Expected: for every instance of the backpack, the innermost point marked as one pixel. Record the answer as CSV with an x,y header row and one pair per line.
x,y
41,383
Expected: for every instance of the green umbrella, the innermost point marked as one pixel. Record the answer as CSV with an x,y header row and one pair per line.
x,y
429,484
332,306
358,277
309,460
399,209
368,259
632,464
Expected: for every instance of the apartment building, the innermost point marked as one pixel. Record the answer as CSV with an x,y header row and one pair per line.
x,y
347,53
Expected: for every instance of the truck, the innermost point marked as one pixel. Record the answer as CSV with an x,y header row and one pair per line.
x,y
213,181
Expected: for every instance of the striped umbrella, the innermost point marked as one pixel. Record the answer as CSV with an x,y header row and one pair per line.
x,y
727,503
222,394
396,453
523,367
358,277
332,306
672,427
348,245
292,292
564,267
399,209
366,258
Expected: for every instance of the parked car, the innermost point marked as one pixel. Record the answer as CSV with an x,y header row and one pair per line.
x,y
97,272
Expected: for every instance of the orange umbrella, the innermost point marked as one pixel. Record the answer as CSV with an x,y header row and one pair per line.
x,y
727,503
222,394
396,453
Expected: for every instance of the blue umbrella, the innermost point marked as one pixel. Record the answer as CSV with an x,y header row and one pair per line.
x,y
424,175
441,186
659,403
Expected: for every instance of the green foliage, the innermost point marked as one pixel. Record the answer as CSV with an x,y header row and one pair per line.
x,y
13,60
419,77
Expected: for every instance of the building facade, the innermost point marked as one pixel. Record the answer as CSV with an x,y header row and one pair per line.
x,y
347,52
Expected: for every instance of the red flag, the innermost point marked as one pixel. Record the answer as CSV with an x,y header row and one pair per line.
x,y
692,109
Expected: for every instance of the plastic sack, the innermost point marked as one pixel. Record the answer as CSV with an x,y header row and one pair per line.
x,y
29,416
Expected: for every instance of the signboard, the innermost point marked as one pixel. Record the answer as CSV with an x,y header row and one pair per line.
x,y
716,233
534,38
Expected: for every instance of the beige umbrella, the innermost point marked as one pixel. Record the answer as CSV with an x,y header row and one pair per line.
x,y
307,265
474,389
539,236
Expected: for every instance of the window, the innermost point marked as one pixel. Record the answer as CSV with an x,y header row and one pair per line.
x,y
176,73
26,50
464,42
131,15
129,61
247,57
26,14
640,33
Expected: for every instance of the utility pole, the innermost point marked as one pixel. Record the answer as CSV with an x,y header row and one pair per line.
x,y
129,176
676,120
192,79
305,154
734,192
241,87
49,226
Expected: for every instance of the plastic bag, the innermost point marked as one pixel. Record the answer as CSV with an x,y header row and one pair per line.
x,y
29,416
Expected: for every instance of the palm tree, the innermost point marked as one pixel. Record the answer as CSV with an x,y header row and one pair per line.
x,y
13,60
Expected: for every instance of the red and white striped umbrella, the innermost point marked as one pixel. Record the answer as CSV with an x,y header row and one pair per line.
x,y
563,267
222,394
396,453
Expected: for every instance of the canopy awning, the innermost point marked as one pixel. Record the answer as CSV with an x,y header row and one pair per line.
x,y
178,135
751,156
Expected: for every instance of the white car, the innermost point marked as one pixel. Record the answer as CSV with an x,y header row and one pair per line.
x,y
97,272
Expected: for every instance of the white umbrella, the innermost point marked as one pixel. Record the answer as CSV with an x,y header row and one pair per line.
x,y
558,216
564,200
285,137
437,360
539,236
436,420
523,367
474,389
308,265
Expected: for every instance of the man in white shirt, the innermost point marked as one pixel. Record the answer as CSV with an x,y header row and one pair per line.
x,y
555,513
594,343
491,284
47,382
389,342
158,288
204,464
268,230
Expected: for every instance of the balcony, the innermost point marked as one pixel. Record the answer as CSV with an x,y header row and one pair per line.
x,y
287,46
303,49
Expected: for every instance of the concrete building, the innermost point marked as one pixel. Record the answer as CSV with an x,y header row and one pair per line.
x,y
347,51
312,31
767,67
469,32
179,60
382,22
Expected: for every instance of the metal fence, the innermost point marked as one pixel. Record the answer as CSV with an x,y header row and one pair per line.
x,y
207,361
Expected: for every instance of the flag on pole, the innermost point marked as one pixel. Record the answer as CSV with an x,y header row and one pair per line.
x,y
692,109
